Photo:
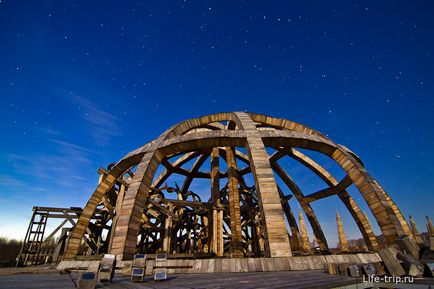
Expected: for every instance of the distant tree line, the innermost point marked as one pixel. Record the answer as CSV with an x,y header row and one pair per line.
x,y
9,250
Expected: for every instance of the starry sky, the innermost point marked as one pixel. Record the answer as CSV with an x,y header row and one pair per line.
x,y
84,82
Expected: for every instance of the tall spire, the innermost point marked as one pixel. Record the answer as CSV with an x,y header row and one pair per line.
x,y
415,231
305,243
343,242
413,227
429,227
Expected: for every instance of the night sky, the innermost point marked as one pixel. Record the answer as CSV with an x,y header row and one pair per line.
x,y
84,82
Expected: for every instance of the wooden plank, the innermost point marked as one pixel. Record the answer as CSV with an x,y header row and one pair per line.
x,y
236,245
276,243
408,245
392,264
204,265
225,265
197,266
244,265
218,265
251,265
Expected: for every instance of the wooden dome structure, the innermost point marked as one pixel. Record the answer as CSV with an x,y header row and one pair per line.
x,y
139,212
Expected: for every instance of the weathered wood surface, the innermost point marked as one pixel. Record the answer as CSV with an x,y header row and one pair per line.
x,y
411,265
355,211
37,281
255,132
234,204
408,245
217,245
296,280
431,243
276,241
228,265
392,264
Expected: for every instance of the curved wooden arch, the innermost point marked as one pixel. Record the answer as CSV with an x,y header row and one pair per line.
x,y
123,166
181,138
386,217
351,205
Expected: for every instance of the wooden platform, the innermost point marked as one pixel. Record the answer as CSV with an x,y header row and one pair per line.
x,y
295,279
235,265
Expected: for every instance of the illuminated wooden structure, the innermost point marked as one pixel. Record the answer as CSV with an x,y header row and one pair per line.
x,y
148,216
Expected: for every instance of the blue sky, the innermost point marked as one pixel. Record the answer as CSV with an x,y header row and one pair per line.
x,y
82,83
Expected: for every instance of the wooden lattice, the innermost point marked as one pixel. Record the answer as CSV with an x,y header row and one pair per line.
x,y
238,220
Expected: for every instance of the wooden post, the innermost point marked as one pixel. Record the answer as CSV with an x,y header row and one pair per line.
x,y
118,208
167,234
234,204
60,244
205,246
220,243
217,219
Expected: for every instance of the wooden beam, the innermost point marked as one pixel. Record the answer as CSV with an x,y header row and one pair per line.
x,y
313,220
234,205
355,211
217,215
295,232
195,168
274,226
341,186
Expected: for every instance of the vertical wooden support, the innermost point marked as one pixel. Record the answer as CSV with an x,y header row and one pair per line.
x,y
274,226
118,208
205,246
217,216
60,244
305,243
220,242
167,234
234,204
343,242
214,243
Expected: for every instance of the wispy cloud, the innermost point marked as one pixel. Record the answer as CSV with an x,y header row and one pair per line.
x,y
104,125
64,166
66,176
79,153
10,181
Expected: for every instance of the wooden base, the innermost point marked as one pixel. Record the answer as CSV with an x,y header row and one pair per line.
x,y
223,265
